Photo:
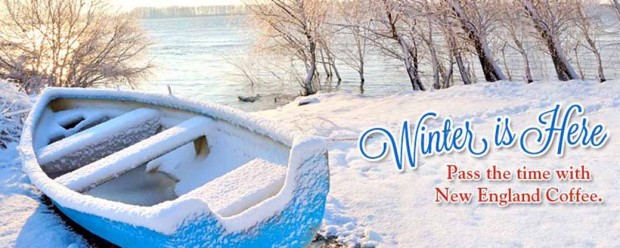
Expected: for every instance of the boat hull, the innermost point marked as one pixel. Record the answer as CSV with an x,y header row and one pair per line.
x,y
290,218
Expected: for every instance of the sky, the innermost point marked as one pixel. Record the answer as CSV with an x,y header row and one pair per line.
x,y
130,4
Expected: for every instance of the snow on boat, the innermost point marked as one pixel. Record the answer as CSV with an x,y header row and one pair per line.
x,y
152,170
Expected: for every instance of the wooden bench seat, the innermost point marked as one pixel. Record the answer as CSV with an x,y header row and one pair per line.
x,y
242,188
138,154
98,141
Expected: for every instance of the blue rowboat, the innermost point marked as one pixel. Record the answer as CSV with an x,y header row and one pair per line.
x,y
144,170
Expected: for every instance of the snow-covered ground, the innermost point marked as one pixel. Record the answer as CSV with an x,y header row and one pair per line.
x,y
371,203
24,220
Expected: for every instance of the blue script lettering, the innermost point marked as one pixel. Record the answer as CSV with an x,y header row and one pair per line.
x,y
504,137
558,125
430,141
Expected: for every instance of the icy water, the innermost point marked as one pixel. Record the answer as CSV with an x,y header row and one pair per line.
x,y
193,56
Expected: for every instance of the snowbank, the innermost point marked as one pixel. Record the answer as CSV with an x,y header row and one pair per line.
x,y
24,221
371,203
14,106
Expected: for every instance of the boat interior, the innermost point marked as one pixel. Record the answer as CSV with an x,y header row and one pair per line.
x,y
142,154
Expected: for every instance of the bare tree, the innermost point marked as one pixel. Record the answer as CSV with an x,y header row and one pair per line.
x,y
441,79
324,61
422,25
330,58
516,31
457,54
356,27
550,18
390,16
574,44
293,25
326,38
503,48
442,36
69,43
456,49
477,19
588,23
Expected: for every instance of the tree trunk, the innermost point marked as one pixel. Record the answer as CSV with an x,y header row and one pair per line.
x,y
447,75
579,68
416,65
585,30
328,74
506,63
562,67
492,72
528,71
462,69
599,61
410,59
409,65
526,60
308,88
456,55
361,73
435,62
360,55
332,63
428,40
597,55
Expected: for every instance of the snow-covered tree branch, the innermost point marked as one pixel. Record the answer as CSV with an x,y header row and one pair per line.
x,y
69,43
293,25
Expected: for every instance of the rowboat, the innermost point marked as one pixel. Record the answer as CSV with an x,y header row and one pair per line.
x,y
145,170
